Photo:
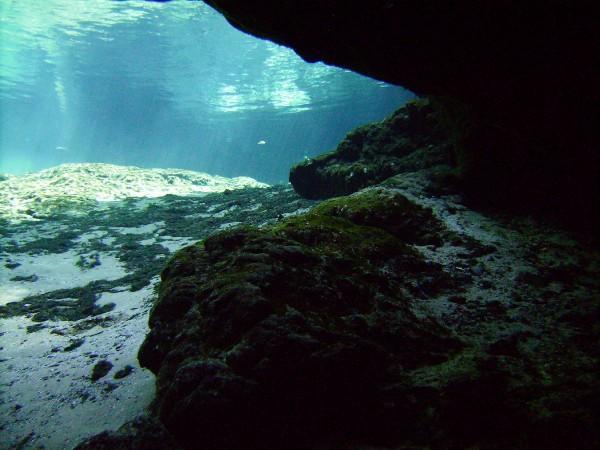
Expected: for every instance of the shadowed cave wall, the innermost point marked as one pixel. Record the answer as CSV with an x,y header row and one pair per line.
x,y
516,83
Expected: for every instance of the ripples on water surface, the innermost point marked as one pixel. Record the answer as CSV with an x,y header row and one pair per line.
x,y
165,84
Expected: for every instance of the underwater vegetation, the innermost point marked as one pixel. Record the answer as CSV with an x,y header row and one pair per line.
x,y
192,218
442,293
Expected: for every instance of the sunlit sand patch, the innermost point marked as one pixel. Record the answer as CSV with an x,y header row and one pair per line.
x,y
14,293
55,271
50,393
79,187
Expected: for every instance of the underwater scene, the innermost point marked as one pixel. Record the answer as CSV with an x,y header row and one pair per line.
x,y
167,85
293,225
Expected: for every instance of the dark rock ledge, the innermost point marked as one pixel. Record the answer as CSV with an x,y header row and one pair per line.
x,y
315,333
290,335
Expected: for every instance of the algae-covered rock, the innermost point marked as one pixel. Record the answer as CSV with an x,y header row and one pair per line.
x,y
142,433
389,210
375,321
101,368
410,139
291,334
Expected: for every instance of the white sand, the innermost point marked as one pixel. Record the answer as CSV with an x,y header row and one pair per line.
x,y
85,184
54,271
48,398
49,395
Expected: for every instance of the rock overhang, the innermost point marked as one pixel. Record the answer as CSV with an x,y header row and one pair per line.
x,y
515,82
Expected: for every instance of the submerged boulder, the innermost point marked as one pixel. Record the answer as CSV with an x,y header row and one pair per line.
x,y
410,139
335,328
289,336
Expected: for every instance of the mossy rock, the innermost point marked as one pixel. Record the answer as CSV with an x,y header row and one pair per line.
x,y
100,369
390,211
312,312
410,139
141,433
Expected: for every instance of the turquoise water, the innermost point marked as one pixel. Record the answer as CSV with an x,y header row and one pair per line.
x,y
166,85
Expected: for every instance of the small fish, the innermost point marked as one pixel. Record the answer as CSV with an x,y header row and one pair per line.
x,y
261,142
61,148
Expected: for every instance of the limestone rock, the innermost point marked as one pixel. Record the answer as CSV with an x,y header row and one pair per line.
x,y
386,318
101,368
410,139
290,335
143,433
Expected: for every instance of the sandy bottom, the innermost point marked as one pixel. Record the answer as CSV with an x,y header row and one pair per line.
x,y
51,400
47,396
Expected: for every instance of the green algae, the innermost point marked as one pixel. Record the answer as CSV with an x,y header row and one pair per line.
x,y
191,217
407,141
314,309
62,304
340,260
62,242
86,262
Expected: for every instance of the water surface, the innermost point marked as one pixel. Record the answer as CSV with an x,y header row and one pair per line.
x,y
166,85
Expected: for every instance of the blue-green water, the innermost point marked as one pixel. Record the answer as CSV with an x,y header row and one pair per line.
x,y
166,85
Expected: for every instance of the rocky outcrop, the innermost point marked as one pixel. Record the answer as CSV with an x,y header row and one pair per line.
x,y
371,321
391,318
289,336
516,82
142,433
411,139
